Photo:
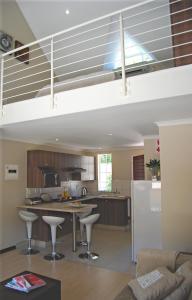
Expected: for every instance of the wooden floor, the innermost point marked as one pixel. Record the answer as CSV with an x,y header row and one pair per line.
x,y
78,281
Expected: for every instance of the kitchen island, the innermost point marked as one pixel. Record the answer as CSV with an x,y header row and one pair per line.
x,y
41,230
112,209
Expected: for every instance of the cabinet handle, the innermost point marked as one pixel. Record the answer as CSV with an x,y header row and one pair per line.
x,y
56,179
44,179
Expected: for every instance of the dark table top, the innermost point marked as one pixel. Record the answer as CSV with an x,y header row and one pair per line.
x,y
52,286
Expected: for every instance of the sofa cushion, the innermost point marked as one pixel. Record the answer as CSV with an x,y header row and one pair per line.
x,y
182,258
125,294
150,259
183,291
155,285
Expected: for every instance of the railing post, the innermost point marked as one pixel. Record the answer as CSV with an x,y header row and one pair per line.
x,y
122,44
1,87
52,75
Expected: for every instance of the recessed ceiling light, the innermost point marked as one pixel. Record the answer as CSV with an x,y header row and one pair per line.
x,y
56,139
67,12
109,134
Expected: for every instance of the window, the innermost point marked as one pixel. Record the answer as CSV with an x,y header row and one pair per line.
x,y
105,172
134,53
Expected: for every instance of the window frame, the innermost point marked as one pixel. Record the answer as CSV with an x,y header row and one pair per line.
x,y
99,173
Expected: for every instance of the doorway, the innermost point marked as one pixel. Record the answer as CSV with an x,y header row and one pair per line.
x,y
138,167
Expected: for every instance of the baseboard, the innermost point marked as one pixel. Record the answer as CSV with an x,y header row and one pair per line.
x,y
111,227
7,249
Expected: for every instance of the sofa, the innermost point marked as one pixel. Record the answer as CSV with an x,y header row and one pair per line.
x,y
150,259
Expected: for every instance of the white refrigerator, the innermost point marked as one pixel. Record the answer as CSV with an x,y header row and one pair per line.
x,y
146,215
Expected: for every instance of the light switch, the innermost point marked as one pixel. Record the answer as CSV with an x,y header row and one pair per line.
x,y
11,172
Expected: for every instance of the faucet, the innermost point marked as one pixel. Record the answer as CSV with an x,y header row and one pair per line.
x,y
116,192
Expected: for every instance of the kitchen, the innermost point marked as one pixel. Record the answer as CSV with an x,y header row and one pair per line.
x,y
14,191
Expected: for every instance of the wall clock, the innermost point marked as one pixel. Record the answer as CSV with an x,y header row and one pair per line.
x,y
6,42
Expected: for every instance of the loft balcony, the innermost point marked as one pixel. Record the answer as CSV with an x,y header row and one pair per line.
x,y
141,53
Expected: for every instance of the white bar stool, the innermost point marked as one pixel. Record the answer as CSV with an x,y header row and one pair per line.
x,y
82,215
53,222
88,222
29,218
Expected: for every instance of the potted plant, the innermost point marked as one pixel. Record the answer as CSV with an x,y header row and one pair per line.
x,y
154,167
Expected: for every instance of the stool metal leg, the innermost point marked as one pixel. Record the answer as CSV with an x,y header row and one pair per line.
x,y
53,255
82,242
89,255
29,250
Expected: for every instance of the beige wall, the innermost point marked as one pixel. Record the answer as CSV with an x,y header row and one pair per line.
x,y
14,24
122,163
150,145
176,174
121,170
13,192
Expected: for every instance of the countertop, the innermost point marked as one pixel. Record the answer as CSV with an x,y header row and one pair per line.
x,y
59,206
104,196
65,206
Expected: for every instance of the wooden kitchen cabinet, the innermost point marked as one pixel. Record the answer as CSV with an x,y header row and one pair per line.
x,y
112,212
62,163
41,230
36,159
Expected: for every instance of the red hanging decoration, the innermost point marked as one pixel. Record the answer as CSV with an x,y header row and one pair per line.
x,y
158,146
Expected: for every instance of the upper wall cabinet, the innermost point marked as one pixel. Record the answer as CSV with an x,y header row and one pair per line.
x,y
43,169
48,169
88,163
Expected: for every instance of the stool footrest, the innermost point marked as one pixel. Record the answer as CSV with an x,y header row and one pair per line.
x,y
82,243
29,251
57,256
91,256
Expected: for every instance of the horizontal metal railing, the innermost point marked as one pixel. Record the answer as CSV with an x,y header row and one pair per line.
x,y
144,37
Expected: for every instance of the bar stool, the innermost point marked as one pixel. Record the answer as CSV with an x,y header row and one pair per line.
x,y
28,218
88,222
82,215
53,222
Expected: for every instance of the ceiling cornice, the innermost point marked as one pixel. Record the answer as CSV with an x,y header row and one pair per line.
x,y
150,137
174,122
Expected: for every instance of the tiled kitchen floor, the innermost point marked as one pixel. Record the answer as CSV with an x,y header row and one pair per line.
x,y
113,246
86,281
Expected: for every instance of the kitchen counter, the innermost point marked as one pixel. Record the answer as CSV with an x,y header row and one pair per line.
x,y
103,196
41,230
58,207
112,210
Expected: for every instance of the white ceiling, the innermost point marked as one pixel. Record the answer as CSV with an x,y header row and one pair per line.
x,y
50,15
89,130
50,18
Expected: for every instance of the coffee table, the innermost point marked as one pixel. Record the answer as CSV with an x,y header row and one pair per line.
x,y
51,291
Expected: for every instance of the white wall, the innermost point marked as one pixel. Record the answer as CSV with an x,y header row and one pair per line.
x,y
146,87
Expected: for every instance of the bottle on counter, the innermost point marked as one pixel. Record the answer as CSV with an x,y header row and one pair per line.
x,y
66,194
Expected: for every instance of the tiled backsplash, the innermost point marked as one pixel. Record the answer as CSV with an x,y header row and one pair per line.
x,y
122,187
73,187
